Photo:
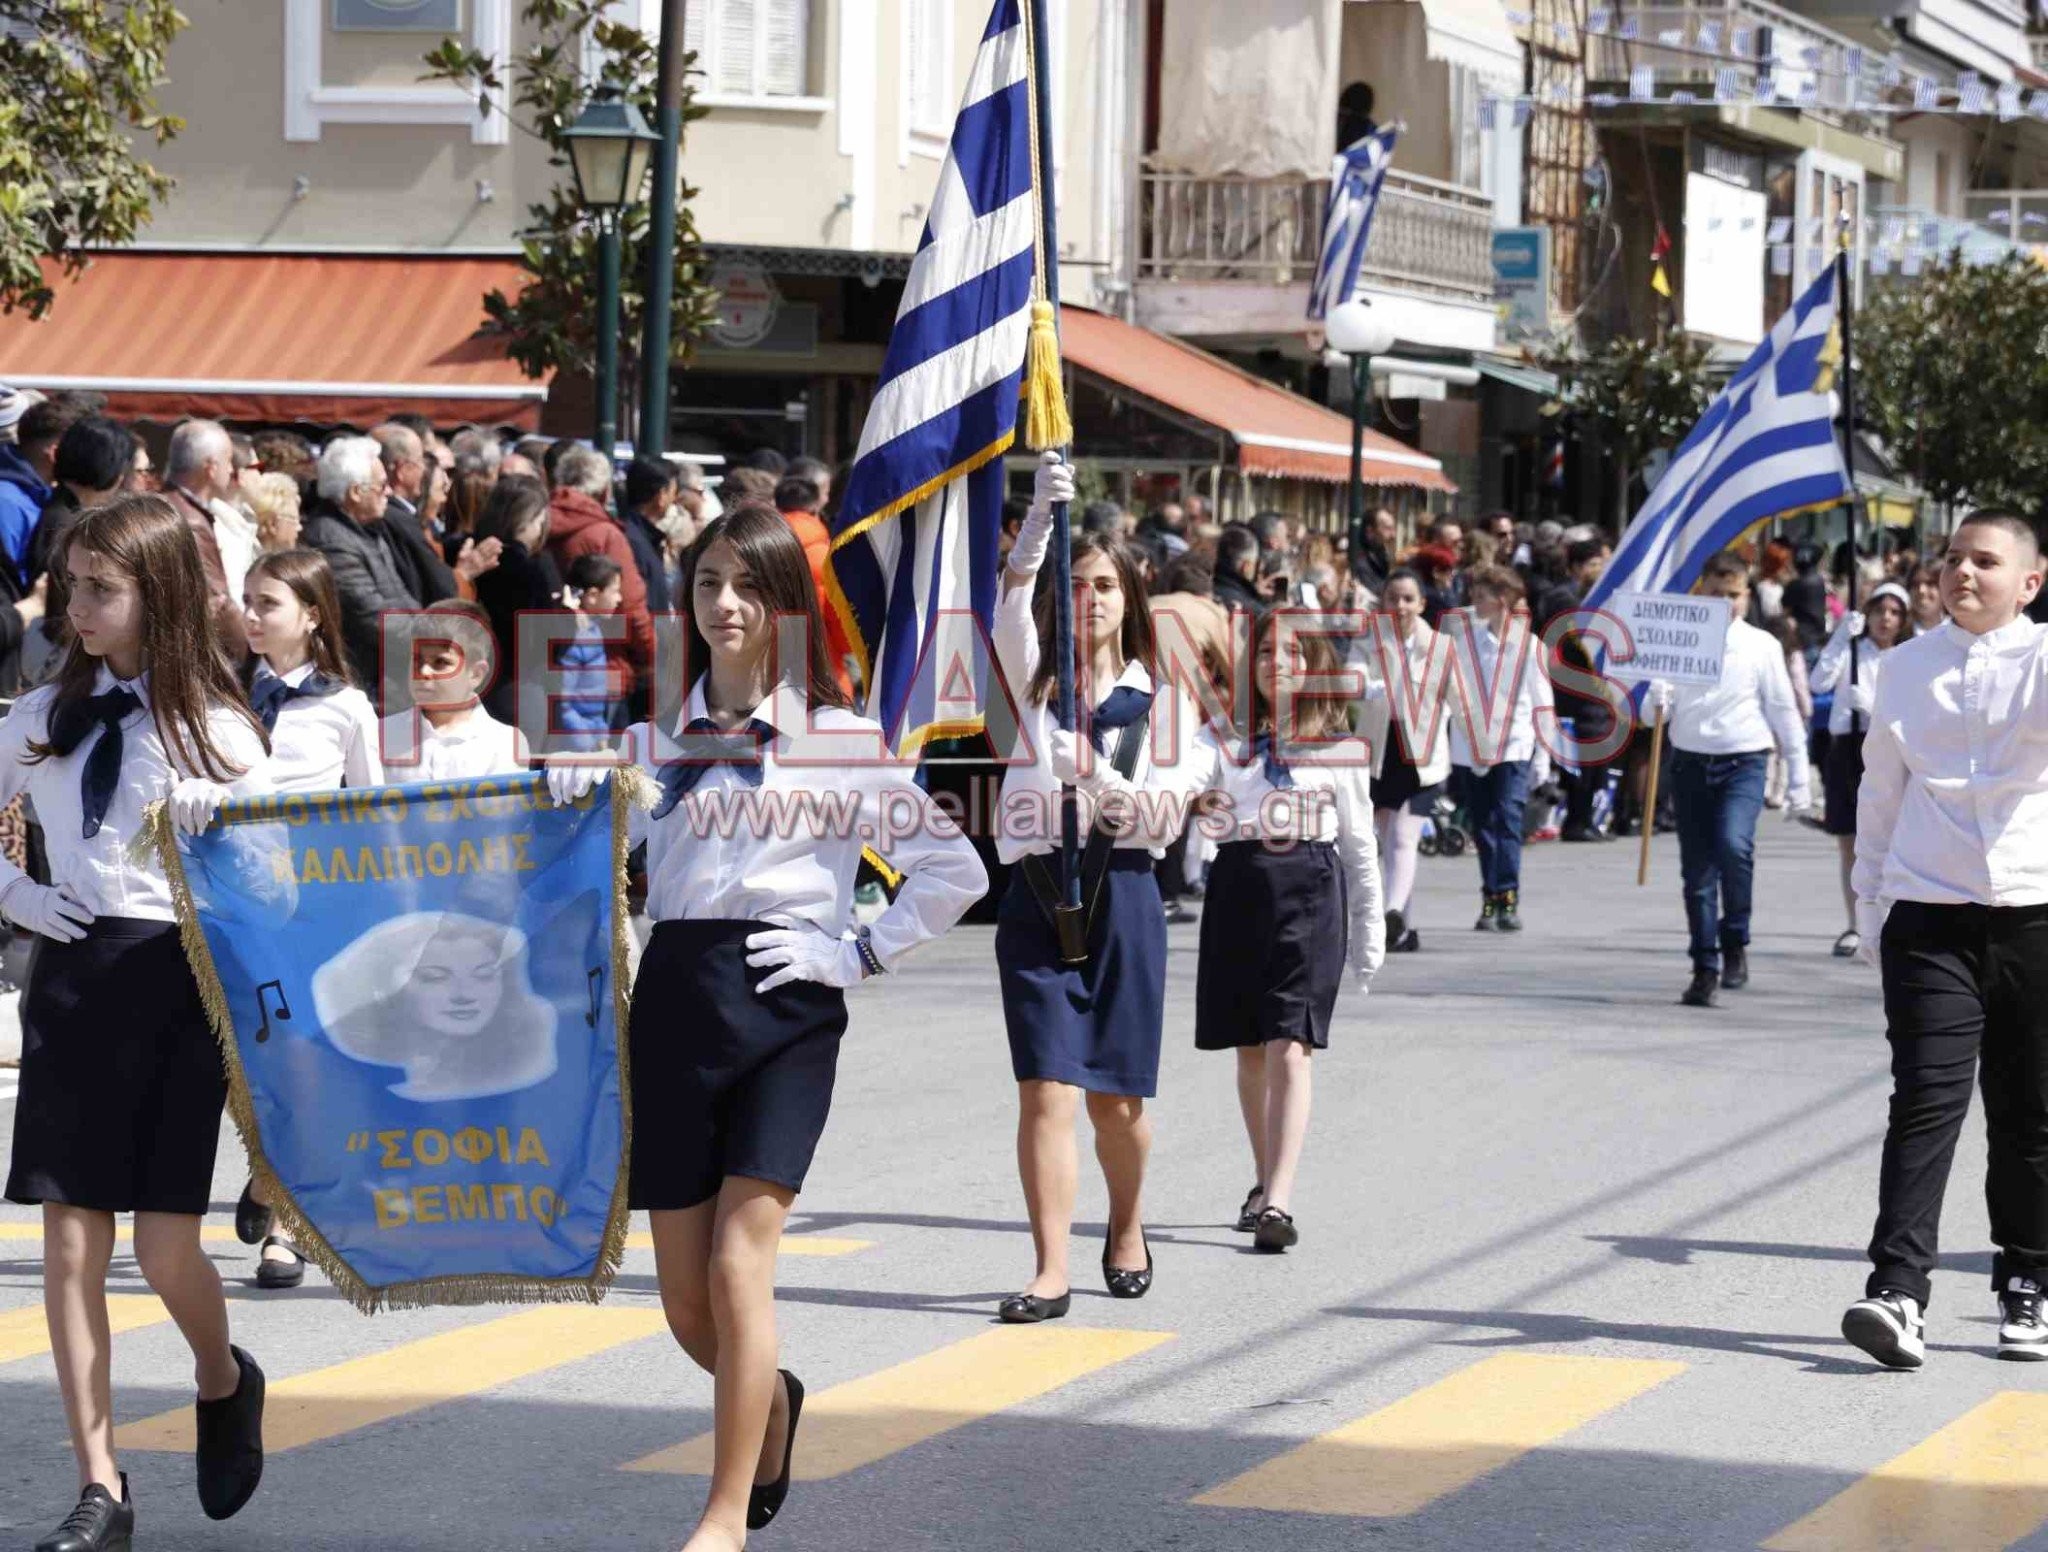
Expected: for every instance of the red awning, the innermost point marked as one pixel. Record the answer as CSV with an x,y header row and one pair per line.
x,y
277,337
1275,432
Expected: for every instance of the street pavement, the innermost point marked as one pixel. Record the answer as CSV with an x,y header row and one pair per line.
x,y
1572,1262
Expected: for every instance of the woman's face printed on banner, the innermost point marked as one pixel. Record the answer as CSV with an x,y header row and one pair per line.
x,y
457,988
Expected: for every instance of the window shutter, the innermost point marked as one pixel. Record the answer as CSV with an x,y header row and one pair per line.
x,y
784,29
733,68
922,66
693,30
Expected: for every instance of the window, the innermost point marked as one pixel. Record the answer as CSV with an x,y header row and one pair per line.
x,y
928,73
750,48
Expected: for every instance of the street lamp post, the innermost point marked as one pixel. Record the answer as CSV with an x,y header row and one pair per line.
x,y
1355,330
609,145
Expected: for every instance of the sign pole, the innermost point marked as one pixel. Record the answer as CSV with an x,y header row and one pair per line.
x,y
1650,797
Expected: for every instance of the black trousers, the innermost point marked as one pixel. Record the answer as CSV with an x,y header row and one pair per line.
x,y
1966,1002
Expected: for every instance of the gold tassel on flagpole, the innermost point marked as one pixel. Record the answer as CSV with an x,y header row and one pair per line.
x,y
1046,421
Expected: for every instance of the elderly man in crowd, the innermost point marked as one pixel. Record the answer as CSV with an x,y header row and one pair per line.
x,y
199,479
351,494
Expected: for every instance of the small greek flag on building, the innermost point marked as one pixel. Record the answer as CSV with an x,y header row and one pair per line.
x,y
1765,448
914,557
1355,178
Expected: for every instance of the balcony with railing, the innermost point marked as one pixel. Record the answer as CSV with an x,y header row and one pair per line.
x,y
1899,239
1428,237
1707,51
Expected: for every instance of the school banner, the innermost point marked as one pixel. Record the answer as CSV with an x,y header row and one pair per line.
x,y
421,995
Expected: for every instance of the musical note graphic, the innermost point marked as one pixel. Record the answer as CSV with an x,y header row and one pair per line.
x,y
595,982
284,1009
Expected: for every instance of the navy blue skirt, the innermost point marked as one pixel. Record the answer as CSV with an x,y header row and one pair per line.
x,y
1095,1025
1274,934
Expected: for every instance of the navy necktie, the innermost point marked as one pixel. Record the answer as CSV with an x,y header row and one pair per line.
x,y
102,772
1269,759
272,695
743,748
1123,706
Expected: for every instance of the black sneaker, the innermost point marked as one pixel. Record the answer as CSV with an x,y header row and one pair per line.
x,y
230,1453
1489,916
1889,1326
1734,967
1504,918
2021,1331
1700,994
98,1524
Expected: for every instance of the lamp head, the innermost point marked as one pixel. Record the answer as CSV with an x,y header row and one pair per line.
x,y
1358,329
609,148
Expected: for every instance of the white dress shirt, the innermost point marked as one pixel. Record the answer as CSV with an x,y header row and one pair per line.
x,y
1748,711
1953,809
1506,734
1403,710
100,871
325,741
788,851
1330,802
477,745
1174,763
1831,676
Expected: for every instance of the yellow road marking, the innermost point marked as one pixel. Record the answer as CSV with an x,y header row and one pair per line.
x,y
792,1244
869,1419
209,1233
1426,1446
326,1403
24,1333
1978,1485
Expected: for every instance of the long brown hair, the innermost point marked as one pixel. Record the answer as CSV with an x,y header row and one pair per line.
x,y
1137,640
1316,716
311,580
146,539
775,559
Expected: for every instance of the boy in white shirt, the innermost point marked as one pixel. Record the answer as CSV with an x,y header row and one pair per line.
x,y
1721,738
446,735
1951,882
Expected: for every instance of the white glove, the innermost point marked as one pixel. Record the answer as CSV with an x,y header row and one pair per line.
x,y
1852,624
804,955
1368,951
1798,805
1660,697
1053,481
1860,696
567,783
1539,768
194,802
1100,777
55,912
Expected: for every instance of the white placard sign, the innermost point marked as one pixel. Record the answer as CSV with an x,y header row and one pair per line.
x,y
1678,637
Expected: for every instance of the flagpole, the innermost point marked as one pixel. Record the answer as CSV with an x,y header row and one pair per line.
x,y
1062,551
1846,311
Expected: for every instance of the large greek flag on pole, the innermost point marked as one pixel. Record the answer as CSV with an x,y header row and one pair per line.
x,y
914,545
1765,448
1355,179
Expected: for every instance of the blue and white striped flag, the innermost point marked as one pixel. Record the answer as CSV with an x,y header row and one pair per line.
x,y
1765,448
914,544
1355,178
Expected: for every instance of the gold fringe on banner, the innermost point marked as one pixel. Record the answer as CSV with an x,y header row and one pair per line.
x,y
1046,421
159,836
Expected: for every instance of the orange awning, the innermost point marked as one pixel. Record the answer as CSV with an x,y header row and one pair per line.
x,y
1274,431
277,337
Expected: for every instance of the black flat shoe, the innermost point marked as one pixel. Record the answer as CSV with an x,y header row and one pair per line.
x,y
1027,1309
98,1524
1276,1231
1123,1284
252,1218
230,1453
280,1273
1409,942
1248,1215
765,1501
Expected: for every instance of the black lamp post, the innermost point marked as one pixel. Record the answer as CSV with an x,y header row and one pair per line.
x,y
609,145
1355,330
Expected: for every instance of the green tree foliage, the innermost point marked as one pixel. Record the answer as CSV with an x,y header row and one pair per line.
x,y
1952,374
1633,397
552,323
78,82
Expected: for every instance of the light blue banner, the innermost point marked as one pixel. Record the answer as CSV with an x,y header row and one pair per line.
x,y
418,988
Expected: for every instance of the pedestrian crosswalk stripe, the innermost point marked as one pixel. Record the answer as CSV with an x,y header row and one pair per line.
x,y
24,1233
792,1244
871,1418
24,1333
1428,1445
1977,1485
308,1408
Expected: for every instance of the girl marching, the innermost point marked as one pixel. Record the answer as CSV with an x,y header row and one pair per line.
x,y
122,1084
1084,1013
1414,762
740,1001
1294,893
323,735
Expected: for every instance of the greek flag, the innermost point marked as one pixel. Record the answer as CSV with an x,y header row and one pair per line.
x,y
1355,178
1765,448
914,559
